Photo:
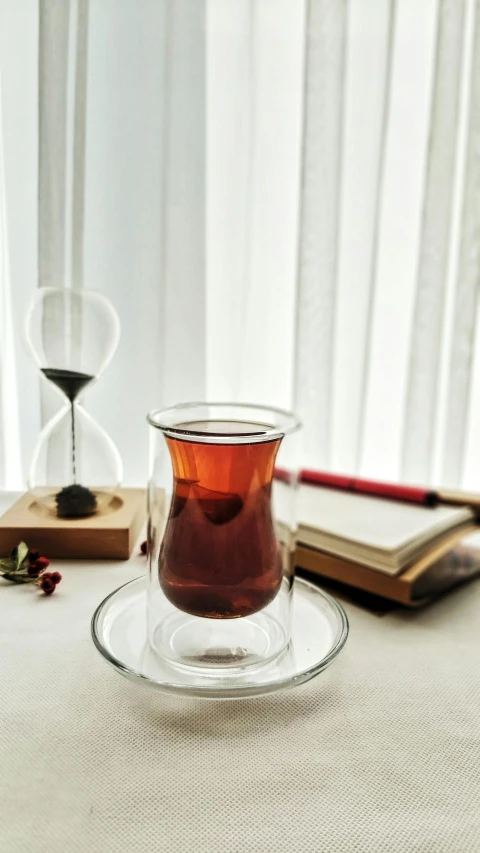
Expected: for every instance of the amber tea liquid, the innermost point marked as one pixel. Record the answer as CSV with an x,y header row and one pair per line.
x,y
219,556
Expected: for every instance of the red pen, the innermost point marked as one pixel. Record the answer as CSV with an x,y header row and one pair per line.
x,y
393,491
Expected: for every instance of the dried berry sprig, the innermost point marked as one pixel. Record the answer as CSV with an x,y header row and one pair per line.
x,y
25,566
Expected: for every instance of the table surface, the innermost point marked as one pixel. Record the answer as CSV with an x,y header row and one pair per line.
x,y
380,753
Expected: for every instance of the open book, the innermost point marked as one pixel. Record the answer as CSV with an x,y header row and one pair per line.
x,y
382,534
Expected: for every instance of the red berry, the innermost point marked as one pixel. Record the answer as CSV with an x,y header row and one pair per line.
x,y
42,563
47,585
33,556
32,571
56,577
144,547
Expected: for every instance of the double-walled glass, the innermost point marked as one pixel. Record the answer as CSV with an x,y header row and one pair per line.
x,y
222,525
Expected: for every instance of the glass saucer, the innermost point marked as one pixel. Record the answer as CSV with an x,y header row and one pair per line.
x,y
319,632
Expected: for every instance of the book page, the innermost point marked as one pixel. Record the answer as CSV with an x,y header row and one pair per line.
x,y
373,522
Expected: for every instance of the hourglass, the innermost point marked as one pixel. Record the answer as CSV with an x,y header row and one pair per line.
x,y
76,468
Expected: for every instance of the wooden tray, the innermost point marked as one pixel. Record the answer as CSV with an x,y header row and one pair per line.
x,y
108,535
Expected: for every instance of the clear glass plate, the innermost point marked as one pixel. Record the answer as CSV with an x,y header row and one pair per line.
x,y
319,632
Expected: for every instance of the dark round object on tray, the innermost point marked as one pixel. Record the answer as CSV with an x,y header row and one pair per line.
x,y
75,502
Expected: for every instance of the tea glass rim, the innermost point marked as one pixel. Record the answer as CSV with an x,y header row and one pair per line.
x,y
167,421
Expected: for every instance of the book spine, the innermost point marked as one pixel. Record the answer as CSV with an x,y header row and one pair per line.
x,y
353,574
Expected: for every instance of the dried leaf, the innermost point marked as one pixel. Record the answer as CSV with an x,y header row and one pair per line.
x,y
16,577
22,554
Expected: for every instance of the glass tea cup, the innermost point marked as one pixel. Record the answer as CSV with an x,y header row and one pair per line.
x,y
221,534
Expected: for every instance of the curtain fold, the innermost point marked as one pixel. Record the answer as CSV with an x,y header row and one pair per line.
x,y
319,220
9,444
281,199
425,349
460,390
19,389
53,107
62,114
183,266
369,60
255,70
79,142
62,88
399,222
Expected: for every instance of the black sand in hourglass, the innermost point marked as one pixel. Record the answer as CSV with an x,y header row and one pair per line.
x,y
72,501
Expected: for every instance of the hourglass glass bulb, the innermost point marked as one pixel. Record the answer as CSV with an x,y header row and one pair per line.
x,y
73,335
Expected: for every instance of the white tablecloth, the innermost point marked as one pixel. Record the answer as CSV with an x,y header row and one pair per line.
x,y
380,753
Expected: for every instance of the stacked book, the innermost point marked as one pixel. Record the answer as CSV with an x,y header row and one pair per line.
x,y
400,543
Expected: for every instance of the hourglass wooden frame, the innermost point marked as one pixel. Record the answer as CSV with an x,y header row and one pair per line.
x,y
76,469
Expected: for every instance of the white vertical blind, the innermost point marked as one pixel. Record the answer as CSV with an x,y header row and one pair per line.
x,y
254,108
280,197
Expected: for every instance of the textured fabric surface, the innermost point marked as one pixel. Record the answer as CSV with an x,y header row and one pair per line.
x,y
380,753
